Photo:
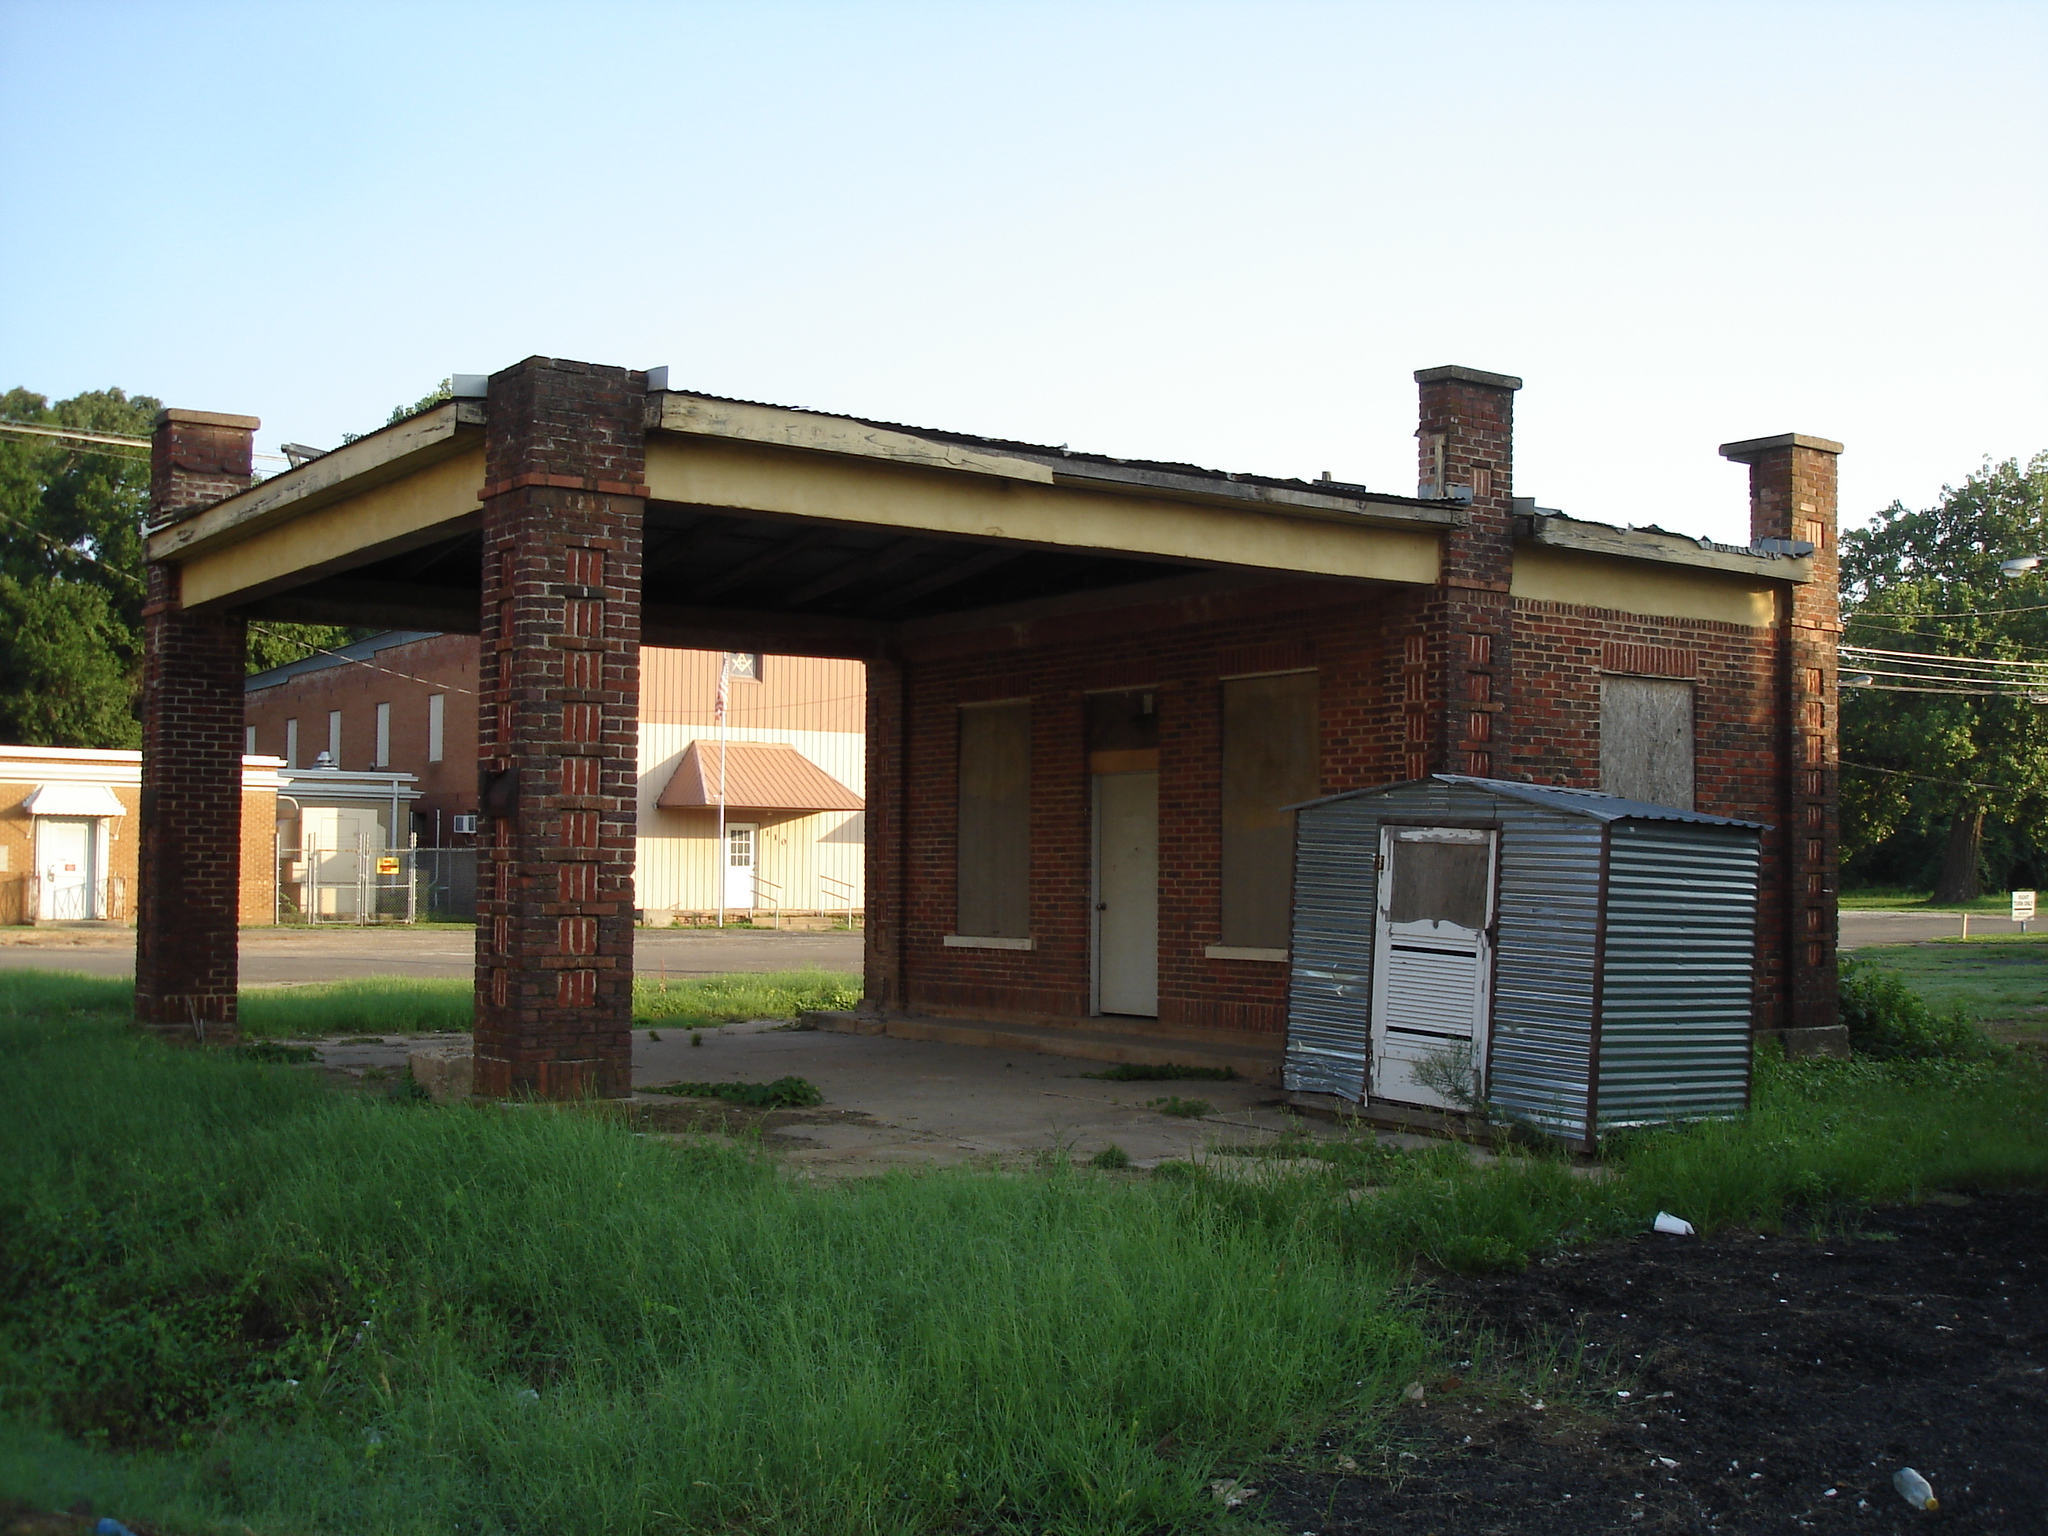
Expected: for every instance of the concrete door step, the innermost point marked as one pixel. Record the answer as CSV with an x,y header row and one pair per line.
x,y
1249,1062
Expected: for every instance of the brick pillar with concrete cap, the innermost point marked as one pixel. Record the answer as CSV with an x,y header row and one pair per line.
x,y
188,877
1458,659
558,729
1792,498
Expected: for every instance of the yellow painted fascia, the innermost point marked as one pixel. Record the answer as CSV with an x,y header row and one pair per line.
x,y
348,472
909,499
1549,575
432,502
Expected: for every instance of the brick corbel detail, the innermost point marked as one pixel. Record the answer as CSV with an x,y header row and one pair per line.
x,y
189,836
558,730
1792,495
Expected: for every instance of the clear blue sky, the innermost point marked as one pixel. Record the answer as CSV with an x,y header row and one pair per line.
x,y
1219,233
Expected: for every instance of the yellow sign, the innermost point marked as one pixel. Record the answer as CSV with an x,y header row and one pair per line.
x,y
387,864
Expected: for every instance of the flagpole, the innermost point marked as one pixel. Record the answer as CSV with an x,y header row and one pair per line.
x,y
720,869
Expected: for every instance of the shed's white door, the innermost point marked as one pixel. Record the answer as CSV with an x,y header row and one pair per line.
x,y
1127,893
1432,963
66,847
742,843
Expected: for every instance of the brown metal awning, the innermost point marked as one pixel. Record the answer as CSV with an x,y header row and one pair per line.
x,y
759,776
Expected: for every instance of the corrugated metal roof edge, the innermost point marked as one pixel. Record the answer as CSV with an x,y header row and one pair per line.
x,y
1594,804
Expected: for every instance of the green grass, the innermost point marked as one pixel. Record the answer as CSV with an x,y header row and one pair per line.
x,y
1883,899
713,1346
2000,980
400,1005
784,1092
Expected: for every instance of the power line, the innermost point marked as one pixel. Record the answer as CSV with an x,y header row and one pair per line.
x,y
1906,773
1958,613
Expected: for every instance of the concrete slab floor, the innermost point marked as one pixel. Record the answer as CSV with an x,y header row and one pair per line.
x,y
914,1103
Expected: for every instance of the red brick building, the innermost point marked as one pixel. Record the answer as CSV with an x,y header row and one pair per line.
x,y
405,701
1092,684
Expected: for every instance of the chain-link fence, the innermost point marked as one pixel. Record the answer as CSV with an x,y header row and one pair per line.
x,y
362,885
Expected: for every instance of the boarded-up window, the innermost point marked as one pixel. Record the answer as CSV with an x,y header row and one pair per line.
x,y
1646,739
995,821
1270,759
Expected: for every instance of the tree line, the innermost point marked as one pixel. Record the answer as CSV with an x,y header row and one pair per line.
x,y
71,520
1945,767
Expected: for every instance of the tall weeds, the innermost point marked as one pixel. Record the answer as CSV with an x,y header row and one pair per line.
x,y
299,1310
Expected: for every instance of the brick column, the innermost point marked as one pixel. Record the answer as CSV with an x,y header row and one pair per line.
x,y
1792,496
1457,666
558,728
189,858
885,988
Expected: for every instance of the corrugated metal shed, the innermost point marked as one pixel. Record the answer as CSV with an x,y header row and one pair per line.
x,y
1621,952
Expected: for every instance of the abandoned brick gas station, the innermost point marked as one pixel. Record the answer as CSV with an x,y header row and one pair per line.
x,y
1094,684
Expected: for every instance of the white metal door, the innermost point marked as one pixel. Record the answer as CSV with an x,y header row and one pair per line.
x,y
1432,965
67,847
1127,893
742,840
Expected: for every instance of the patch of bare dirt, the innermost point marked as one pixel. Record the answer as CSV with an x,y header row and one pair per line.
x,y
1775,1383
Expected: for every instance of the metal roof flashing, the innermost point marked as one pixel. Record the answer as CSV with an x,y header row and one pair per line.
x,y
1593,804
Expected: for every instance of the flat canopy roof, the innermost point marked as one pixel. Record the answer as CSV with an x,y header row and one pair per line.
x,y
811,533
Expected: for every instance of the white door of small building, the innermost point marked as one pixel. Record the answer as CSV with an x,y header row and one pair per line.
x,y
67,848
1432,965
1127,893
742,851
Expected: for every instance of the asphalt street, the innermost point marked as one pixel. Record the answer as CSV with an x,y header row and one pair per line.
x,y
285,955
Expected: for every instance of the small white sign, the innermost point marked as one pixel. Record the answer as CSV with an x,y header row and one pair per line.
x,y
2022,906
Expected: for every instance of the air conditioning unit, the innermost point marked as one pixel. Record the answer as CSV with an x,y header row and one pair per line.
x,y
465,824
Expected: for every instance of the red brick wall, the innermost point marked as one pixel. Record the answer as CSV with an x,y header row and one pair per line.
x,y
443,664
1343,635
1561,651
1367,688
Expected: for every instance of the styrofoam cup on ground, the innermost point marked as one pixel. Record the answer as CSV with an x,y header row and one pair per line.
x,y
1677,1226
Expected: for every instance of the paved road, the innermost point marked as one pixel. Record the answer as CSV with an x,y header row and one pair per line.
x,y
1861,928
336,954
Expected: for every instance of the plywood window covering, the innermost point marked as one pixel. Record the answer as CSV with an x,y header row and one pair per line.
x,y
1270,759
1646,739
994,850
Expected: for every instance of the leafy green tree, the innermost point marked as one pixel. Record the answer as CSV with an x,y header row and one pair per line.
x,y
71,519
1947,785
71,570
